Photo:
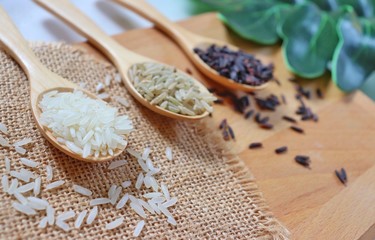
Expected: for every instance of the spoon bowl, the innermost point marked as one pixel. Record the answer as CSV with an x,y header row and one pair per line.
x,y
121,57
41,81
62,147
130,87
213,74
188,41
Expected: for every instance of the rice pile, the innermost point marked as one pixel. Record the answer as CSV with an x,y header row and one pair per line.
x,y
147,198
170,89
88,127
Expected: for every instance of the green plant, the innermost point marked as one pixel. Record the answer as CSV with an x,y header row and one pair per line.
x,y
316,35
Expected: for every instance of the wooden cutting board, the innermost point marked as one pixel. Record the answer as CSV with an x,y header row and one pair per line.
x,y
313,204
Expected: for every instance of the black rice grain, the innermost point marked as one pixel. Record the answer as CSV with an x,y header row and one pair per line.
x,y
341,175
219,101
231,133
281,150
297,129
188,71
319,93
255,145
289,119
303,160
266,126
223,123
249,114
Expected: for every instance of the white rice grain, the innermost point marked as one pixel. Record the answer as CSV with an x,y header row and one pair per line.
x,y
142,164
165,191
154,184
20,198
138,228
5,183
28,173
20,150
122,201
37,185
23,142
26,187
43,223
112,190
117,78
146,206
122,101
99,88
126,184
13,186
152,195
82,190
55,185
99,201
158,199
117,164
3,128
80,218
164,211
66,216
23,208
29,163
114,224
4,142
139,181
154,207
49,173
116,195
138,209
7,164
149,164
103,96
170,202
63,225
92,215
146,153
38,201
20,176
107,80
133,153
50,215
172,221
168,153
147,180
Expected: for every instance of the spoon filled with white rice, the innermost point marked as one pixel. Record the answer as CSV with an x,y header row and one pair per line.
x,y
76,122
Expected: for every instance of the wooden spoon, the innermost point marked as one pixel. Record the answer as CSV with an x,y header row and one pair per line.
x,y
188,41
41,81
120,56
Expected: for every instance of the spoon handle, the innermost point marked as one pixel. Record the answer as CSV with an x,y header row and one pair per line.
x,y
71,15
145,10
17,47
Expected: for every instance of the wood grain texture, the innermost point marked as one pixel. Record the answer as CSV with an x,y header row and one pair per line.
x,y
308,202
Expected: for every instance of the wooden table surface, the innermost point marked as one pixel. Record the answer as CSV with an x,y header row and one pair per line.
x,y
313,204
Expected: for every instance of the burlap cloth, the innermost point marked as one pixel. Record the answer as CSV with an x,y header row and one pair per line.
x,y
217,196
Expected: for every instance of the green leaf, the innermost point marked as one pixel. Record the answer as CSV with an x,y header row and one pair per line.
x,y
353,60
259,26
362,8
309,40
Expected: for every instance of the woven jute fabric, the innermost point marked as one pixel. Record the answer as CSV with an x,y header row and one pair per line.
x,y
217,195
